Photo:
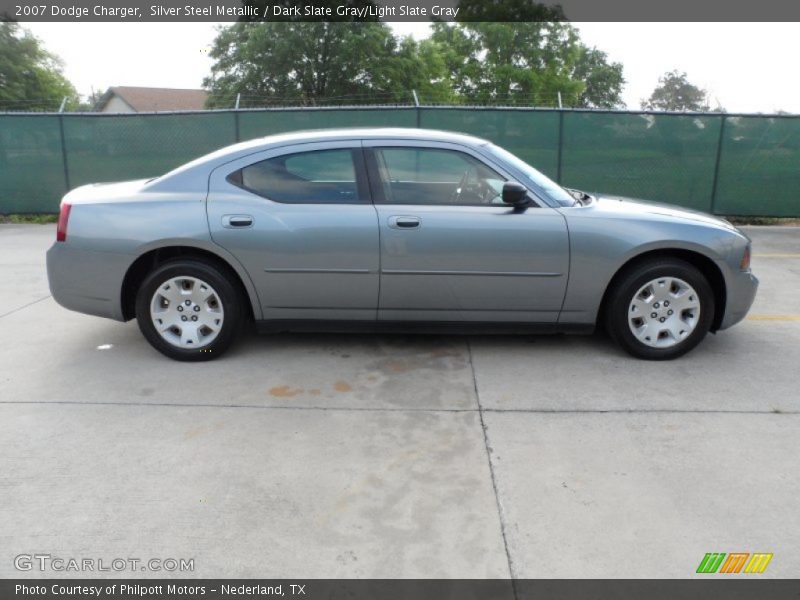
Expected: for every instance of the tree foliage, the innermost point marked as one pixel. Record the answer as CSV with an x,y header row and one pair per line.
x,y
528,63
30,77
674,92
314,62
470,62
602,80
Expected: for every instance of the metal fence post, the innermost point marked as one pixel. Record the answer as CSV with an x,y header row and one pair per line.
x,y
64,151
560,144
238,136
713,207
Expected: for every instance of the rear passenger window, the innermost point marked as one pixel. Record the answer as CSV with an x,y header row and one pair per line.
x,y
317,177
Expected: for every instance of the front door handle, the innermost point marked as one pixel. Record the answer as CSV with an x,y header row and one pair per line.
x,y
403,222
237,221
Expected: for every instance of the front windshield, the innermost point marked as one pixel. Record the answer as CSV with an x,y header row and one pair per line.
x,y
539,180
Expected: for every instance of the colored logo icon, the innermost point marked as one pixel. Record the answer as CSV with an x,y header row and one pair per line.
x,y
735,562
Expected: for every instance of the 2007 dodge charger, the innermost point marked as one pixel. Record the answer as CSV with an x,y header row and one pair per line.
x,y
390,229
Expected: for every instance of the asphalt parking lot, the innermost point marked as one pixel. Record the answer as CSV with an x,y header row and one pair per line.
x,y
398,456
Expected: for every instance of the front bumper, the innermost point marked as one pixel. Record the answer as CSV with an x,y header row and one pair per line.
x,y
742,288
86,281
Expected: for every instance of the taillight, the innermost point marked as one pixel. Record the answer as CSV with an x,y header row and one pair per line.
x,y
745,263
63,217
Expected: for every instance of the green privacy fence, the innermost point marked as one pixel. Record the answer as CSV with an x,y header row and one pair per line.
x,y
721,163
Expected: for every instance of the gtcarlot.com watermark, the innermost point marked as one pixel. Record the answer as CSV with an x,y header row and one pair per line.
x,y
58,564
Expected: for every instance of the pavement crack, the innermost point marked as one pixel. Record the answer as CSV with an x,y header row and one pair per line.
x,y
250,406
11,312
637,411
480,410
488,448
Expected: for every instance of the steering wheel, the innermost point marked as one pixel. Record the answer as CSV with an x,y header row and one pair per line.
x,y
478,192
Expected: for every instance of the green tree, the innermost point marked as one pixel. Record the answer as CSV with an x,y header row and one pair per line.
x,y
523,63
674,92
30,77
321,62
527,63
602,80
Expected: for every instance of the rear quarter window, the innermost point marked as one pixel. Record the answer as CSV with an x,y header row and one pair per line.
x,y
316,177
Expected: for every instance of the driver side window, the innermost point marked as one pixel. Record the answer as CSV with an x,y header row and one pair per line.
x,y
436,176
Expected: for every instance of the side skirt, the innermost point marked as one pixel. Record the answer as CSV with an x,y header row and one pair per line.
x,y
419,327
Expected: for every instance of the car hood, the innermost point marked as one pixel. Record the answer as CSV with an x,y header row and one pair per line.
x,y
631,206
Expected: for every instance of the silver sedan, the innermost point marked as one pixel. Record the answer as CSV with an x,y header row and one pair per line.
x,y
385,230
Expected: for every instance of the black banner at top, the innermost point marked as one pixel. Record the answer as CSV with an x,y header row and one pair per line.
x,y
400,10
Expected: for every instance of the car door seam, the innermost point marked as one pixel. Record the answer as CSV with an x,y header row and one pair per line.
x,y
366,171
569,265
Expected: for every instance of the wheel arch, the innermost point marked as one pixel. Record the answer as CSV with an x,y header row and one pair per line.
x,y
700,261
147,261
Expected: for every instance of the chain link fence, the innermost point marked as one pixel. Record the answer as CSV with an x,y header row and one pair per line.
x,y
720,163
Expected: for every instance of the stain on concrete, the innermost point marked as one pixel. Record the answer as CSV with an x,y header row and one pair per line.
x,y
396,366
203,429
342,386
347,557
437,360
284,391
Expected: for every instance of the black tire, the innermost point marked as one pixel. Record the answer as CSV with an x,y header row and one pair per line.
x,y
228,296
631,281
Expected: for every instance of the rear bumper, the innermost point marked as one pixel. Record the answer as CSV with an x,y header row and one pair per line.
x,y
741,293
85,281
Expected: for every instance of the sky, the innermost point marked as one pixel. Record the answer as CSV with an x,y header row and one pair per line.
x,y
743,66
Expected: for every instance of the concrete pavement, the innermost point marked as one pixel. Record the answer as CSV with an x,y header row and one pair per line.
x,y
397,456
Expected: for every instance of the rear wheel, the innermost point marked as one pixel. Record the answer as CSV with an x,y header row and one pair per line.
x,y
189,310
660,309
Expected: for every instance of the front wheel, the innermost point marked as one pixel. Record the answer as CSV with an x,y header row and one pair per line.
x,y
189,310
660,309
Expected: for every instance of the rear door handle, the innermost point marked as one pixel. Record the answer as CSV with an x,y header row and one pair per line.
x,y
237,221
403,222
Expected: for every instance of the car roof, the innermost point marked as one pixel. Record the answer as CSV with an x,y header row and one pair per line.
x,y
347,133
185,175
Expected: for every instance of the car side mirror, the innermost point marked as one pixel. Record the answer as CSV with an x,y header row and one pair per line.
x,y
515,194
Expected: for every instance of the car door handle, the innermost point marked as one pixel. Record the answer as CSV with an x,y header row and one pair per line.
x,y
237,221
401,222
